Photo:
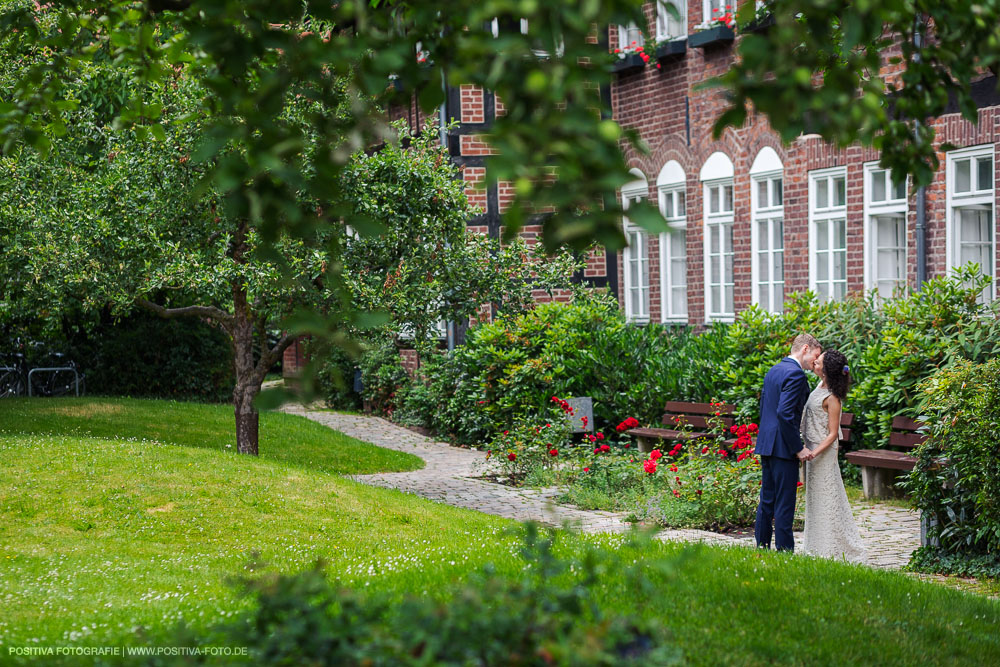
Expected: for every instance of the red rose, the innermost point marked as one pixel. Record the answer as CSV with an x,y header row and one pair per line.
x,y
673,468
597,450
553,452
677,493
752,428
649,465
655,454
627,445
698,492
586,470
704,449
600,436
798,484
512,456
605,448
733,429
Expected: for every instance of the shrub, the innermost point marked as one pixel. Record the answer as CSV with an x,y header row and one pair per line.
x,y
956,482
383,376
545,616
334,379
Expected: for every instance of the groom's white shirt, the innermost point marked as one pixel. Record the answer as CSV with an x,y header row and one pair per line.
x,y
796,361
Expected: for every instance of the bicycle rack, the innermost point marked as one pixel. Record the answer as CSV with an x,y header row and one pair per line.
x,y
55,369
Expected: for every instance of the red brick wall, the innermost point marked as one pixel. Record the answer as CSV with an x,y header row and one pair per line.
x,y
653,102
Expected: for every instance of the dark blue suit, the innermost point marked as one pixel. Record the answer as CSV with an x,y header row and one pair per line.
x,y
778,444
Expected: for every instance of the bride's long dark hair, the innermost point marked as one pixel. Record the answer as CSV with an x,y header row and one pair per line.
x,y
838,374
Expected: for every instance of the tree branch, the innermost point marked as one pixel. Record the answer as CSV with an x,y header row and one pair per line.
x,y
269,357
211,312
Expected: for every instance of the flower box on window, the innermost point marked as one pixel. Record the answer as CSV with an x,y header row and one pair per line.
x,y
631,62
760,25
711,37
675,48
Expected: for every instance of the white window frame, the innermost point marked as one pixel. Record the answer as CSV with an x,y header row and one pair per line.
x,y
662,17
671,188
720,222
979,198
706,10
828,213
768,212
891,206
637,190
624,36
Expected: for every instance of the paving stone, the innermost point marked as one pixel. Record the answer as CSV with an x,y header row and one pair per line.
x,y
890,533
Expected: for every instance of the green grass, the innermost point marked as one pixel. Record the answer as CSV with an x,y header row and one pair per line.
x,y
286,438
108,540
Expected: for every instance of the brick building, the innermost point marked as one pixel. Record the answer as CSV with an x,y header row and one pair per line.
x,y
752,220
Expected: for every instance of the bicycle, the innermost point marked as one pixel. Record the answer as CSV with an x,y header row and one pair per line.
x,y
14,377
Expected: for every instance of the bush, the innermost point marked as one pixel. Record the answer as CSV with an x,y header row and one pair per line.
x,y
546,616
956,482
383,376
146,356
334,378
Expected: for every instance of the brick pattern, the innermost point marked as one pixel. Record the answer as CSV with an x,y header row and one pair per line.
x,y
665,107
472,104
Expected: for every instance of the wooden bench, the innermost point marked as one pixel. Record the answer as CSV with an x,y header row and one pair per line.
x,y
693,416
880,467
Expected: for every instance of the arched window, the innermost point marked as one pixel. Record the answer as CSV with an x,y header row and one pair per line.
x,y
635,257
669,27
671,188
716,178
767,215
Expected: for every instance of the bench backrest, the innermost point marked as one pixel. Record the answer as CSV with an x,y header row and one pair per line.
x,y
696,415
904,433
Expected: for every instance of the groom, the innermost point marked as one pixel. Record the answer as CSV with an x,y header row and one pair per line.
x,y
779,443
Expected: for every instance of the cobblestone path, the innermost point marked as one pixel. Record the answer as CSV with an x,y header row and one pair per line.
x,y
890,533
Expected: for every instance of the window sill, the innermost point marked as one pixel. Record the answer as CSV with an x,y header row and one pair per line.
x,y
633,62
672,50
717,36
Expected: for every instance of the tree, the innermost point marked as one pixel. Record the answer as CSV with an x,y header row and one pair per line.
x,y
426,267
818,70
106,217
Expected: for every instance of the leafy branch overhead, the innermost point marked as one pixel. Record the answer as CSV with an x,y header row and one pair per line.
x,y
254,56
817,70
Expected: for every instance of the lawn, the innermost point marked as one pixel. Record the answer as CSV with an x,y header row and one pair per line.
x,y
116,540
284,438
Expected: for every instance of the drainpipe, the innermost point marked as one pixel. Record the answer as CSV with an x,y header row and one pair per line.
x,y
921,227
443,135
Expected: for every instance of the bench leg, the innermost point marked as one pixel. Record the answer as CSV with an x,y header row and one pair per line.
x,y
645,444
879,482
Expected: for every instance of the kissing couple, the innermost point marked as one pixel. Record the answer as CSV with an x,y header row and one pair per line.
x,y
802,428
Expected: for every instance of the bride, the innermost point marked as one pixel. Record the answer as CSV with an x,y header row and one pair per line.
x,y
830,530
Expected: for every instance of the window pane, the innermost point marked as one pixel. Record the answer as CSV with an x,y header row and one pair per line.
x,y
822,193
899,190
762,297
840,190
839,234
777,241
763,268
974,228
678,272
840,265
713,238
678,301
963,176
823,291
985,168
823,266
716,299
878,185
713,200
778,268
762,198
715,270
729,299
777,195
727,238
727,202
763,234
681,209
839,291
779,300
822,235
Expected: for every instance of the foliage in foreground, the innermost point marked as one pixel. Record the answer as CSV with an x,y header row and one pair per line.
x,y
956,483
545,615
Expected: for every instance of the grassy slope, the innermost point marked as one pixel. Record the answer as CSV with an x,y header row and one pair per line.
x,y
286,438
117,533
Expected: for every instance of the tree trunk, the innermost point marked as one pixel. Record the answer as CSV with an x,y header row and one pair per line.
x,y
247,382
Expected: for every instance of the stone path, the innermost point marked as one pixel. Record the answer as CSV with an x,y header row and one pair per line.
x,y
890,533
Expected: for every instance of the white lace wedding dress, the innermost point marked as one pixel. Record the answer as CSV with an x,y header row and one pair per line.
x,y
830,530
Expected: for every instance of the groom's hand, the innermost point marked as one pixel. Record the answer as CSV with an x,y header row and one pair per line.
x,y
805,455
